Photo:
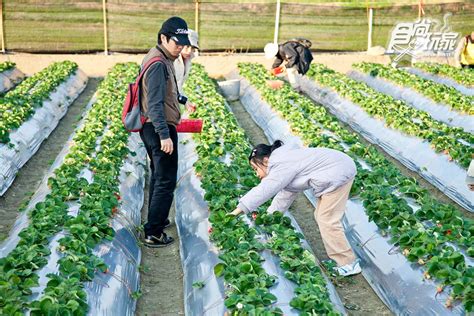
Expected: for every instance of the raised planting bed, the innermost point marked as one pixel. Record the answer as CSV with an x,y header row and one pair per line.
x,y
74,251
31,111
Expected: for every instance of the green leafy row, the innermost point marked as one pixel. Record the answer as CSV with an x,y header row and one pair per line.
x,y
47,218
424,236
98,201
20,103
247,283
299,265
438,92
464,76
7,65
451,141
224,183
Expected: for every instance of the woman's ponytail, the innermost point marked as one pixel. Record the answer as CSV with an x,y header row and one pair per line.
x,y
277,144
262,150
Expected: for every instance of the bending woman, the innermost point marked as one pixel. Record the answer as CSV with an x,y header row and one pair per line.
x,y
285,171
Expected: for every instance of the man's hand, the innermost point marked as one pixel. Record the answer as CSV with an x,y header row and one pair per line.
x,y
235,212
167,146
190,107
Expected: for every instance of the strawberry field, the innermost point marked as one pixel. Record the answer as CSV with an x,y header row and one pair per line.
x,y
76,246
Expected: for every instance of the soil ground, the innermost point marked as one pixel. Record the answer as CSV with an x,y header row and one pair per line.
x,y
161,279
216,64
33,172
356,294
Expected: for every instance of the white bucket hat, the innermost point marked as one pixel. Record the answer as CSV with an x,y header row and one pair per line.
x,y
193,38
271,49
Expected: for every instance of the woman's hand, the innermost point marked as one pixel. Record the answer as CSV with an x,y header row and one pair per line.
x,y
235,212
190,107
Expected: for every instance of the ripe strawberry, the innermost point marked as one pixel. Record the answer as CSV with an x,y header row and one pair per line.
x,y
254,215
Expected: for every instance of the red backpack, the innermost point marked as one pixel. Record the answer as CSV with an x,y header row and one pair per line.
x,y
132,116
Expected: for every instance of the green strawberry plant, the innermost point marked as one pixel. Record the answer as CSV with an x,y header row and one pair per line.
x,y
246,281
7,65
452,141
436,91
426,236
47,218
98,200
19,104
464,76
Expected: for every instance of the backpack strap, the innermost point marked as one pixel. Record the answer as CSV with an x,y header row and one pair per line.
x,y
146,66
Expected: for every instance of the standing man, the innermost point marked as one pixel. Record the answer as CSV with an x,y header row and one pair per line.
x,y
464,54
159,101
297,56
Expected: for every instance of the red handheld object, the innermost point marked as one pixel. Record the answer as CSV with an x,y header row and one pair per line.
x,y
277,70
189,126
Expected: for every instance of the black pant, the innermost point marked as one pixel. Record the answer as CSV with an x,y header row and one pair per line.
x,y
164,169
467,66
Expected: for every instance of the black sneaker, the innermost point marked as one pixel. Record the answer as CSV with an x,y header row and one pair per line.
x,y
167,223
155,242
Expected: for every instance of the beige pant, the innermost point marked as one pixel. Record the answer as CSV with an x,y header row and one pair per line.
x,y
328,215
294,78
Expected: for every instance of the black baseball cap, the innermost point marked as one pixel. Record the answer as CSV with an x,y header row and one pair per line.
x,y
177,29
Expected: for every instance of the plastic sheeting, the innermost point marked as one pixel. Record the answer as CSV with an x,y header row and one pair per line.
x,y
199,255
437,111
110,293
10,78
399,283
415,153
443,80
26,140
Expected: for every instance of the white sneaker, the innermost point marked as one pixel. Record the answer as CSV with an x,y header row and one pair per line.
x,y
349,269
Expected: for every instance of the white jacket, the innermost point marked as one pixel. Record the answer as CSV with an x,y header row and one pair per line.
x,y
292,170
182,68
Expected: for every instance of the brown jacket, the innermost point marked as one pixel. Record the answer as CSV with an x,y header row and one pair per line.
x,y
169,106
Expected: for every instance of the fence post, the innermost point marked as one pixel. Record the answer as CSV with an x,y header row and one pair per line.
x,y
104,10
421,11
369,39
196,16
277,22
1,27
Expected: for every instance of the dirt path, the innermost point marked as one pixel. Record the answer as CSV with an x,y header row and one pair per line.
x,y
161,274
355,292
217,64
29,177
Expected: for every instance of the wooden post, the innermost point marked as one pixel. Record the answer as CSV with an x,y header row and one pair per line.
x,y
277,22
369,38
104,10
196,16
421,12
1,27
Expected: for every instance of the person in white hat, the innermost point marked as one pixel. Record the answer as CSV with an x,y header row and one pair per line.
x,y
470,176
182,64
297,56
